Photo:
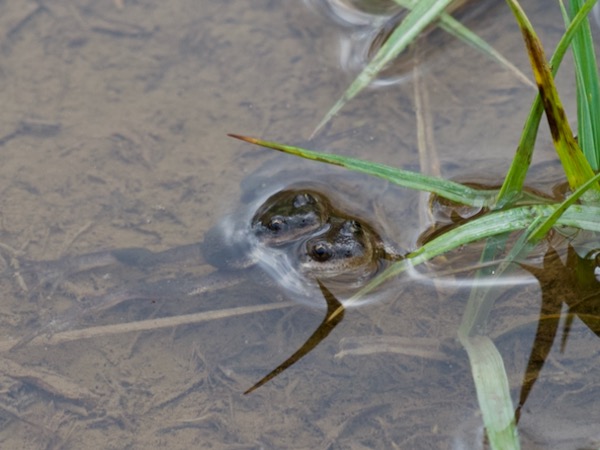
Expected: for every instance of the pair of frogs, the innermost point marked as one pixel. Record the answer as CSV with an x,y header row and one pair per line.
x,y
296,237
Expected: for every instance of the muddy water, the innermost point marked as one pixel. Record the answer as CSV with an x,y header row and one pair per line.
x,y
113,134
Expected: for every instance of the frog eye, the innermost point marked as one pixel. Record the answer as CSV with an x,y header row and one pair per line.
x,y
302,200
276,224
321,251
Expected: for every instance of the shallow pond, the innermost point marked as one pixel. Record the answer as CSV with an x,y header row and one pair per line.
x,y
113,134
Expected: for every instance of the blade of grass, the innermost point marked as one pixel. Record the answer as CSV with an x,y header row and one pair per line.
x,y
588,90
453,27
492,224
493,393
143,325
481,296
584,217
576,167
424,13
515,178
542,230
444,188
496,223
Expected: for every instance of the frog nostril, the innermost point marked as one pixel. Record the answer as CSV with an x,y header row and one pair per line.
x,y
321,251
351,227
303,200
276,224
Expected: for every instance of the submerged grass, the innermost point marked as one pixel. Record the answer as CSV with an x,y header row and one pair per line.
x,y
509,209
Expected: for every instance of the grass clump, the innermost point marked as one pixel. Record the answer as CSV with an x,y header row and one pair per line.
x,y
509,208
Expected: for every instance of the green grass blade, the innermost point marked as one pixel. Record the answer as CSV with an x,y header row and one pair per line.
x,y
424,13
542,230
515,178
588,91
459,31
480,300
576,167
492,224
493,393
412,180
584,217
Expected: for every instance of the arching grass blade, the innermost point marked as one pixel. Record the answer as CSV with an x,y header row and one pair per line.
x,y
444,188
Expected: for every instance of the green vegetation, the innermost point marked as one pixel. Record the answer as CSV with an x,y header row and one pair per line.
x,y
509,209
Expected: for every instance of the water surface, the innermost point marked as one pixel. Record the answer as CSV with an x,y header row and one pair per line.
x,y
113,134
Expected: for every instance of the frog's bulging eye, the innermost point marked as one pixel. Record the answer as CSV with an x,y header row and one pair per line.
x,y
302,200
276,224
321,251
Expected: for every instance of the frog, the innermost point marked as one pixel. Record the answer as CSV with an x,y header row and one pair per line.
x,y
287,240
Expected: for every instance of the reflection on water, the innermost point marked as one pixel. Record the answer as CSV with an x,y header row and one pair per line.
x,y
573,283
113,136
334,315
